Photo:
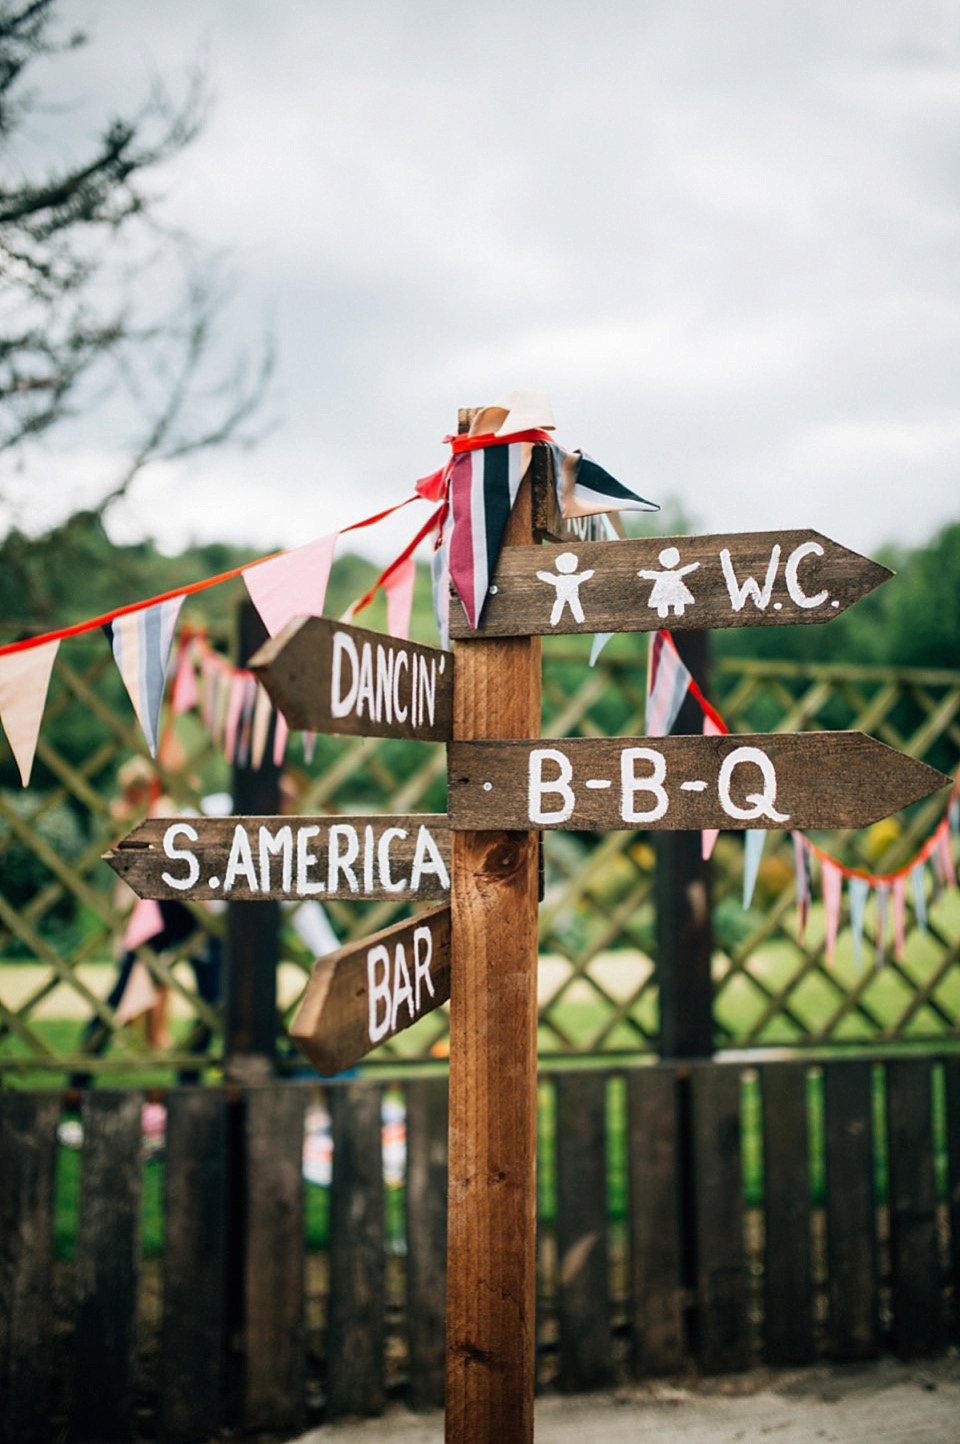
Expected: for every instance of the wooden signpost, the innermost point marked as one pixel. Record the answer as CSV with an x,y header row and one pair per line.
x,y
748,579
364,858
504,787
736,781
327,676
363,994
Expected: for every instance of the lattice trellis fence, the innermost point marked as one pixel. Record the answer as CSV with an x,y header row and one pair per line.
x,y
59,916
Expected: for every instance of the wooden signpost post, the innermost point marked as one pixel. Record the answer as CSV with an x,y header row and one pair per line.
x,y
504,787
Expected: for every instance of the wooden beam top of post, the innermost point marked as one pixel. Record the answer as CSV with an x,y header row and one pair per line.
x,y
265,858
364,993
746,579
328,676
739,781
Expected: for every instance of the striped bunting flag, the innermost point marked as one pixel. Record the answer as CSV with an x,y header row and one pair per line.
x,y
483,487
667,683
24,680
140,642
584,488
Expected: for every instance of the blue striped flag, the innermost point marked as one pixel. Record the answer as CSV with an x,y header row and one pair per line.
x,y
141,642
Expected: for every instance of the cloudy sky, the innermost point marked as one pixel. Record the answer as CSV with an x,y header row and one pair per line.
x,y
724,238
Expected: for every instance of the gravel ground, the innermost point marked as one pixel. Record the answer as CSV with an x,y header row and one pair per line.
x,y
880,1403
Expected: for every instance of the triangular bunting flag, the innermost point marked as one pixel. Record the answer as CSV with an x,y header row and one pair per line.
x,y
899,892
859,892
483,487
917,877
667,683
941,850
600,640
185,693
24,680
881,893
293,584
709,835
440,581
281,733
801,863
753,841
399,589
584,488
140,642
831,880
261,726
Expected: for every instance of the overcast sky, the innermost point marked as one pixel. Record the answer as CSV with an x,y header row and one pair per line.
x,y
723,237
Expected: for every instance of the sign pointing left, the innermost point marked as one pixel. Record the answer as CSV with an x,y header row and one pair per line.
x,y
328,676
364,993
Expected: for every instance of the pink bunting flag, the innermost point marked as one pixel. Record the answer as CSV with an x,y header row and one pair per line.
x,y
399,589
801,864
261,726
293,584
944,856
831,879
186,693
238,687
899,895
882,894
281,733
24,680
710,834
144,923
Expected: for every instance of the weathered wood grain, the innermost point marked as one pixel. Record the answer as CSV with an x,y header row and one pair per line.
x,y
364,993
915,1284
654,1165
190,1405
718,1205
28,1156
735,579
787,1254
737,781
491,1248
586,1343
260,858
274,1343
328,676
853,1322
427,1124
356,1329
107,1268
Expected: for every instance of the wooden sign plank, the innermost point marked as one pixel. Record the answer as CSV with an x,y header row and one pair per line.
x,y
364,993
265,858
328,676
738,781
745,579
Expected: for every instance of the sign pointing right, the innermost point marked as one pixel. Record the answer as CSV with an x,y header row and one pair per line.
x,y
745,579
738,780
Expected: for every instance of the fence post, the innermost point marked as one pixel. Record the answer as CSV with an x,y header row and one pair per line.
x,y
684,931
252,945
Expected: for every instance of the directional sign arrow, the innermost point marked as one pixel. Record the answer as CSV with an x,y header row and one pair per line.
x,y
363,994
326,676
263,858
807,779
746,579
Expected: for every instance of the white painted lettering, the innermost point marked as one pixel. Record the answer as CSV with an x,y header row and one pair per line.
x,y
422,958
368,859
385,661
180,854
378,991
282,844
343,702
750,588
795,590
383,859
342,834
426,858
365,685
761,803
403,661
240,861
427,690
305,861
537,786
402,991
631,784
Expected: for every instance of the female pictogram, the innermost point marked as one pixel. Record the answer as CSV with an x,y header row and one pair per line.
x,y
669,591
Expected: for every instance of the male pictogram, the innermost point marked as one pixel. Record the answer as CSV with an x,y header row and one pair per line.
x,y
567,584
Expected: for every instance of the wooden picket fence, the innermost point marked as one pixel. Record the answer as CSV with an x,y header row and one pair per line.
x,y
770,990
708,1215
